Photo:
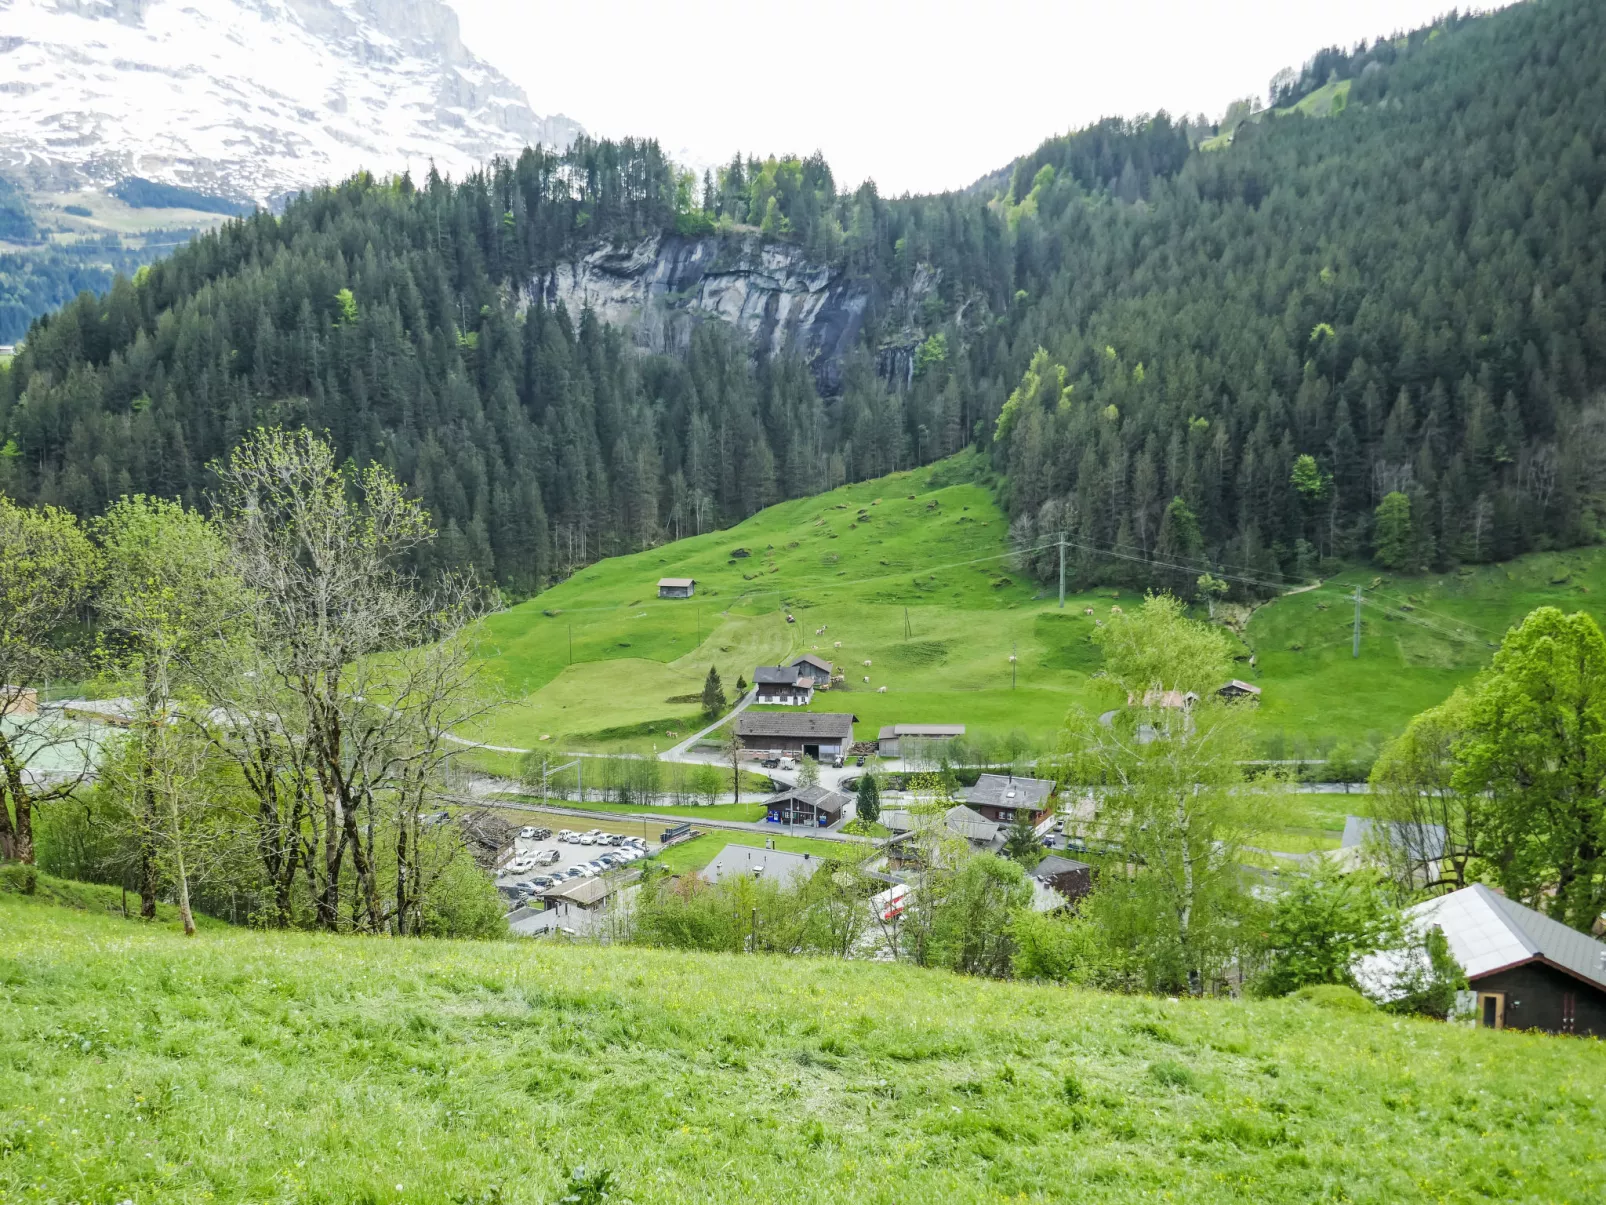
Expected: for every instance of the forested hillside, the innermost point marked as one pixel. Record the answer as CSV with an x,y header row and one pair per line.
x,y
1179,356
1412,293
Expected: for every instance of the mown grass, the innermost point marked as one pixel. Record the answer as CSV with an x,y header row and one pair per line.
x,y
909,572
693,855
242,1066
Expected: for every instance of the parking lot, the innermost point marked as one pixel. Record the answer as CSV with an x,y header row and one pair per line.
x,y
528,881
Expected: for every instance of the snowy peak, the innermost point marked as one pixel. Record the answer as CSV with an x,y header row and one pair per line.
x,y
250,98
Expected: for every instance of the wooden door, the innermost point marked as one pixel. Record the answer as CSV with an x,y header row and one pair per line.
x,y
1492,1010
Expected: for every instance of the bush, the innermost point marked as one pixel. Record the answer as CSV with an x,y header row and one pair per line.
x,y
1336,996
17,878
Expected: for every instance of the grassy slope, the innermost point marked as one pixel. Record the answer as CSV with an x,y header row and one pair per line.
x,y
1319,691
252,1067
850,560
856,577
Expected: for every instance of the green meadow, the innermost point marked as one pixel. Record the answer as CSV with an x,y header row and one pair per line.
x,y
250,1067
911,573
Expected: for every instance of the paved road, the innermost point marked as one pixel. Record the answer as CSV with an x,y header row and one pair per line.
x,y
673,816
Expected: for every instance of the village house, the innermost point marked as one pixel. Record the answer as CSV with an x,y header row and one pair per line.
x,y
821,735
792,685
997,797
904,740
815,806
1238,689
782,685
676,587
1524,970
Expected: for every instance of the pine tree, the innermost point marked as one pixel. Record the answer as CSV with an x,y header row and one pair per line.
x,y
869,799
713,694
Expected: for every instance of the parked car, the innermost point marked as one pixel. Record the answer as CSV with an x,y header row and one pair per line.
x,y
542,882
527,831
541,834
586,839
860,761
565,835
549,857
771,763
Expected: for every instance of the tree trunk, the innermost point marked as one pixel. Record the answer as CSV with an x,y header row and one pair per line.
x,y
16,837
149,821
179,871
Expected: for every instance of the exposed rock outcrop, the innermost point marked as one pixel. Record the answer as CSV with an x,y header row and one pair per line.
x,y
770,291
661,286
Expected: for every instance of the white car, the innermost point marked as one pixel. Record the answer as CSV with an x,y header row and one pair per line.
x,y
527,831
565,835
587,839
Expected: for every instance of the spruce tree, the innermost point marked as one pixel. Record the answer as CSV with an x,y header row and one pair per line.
x,y
869,796
713,693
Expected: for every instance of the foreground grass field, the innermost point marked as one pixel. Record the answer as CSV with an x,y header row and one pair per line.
x,y
247,1067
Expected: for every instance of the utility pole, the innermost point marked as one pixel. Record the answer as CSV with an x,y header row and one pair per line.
x,y
1355,650
1013,650
580,779
1062,571
906,629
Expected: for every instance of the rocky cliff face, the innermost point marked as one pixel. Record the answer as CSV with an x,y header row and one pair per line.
x,y
770,291
249,98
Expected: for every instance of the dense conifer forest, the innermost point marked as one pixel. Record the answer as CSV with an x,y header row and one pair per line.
x,y
1376,333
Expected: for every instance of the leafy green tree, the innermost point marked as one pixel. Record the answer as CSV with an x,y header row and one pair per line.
x,y
1533,752
167,604
1021,843
1210,589
973,913
47,569
808,772
1307,478
1324,922
1394,538
868,794
713,694
1413,789
1173,907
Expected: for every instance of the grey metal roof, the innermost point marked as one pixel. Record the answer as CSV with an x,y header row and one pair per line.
x,y
1420,842
999,790
1054,864
823,798
775,675
972,826
812,725
818,663
736,860
676,581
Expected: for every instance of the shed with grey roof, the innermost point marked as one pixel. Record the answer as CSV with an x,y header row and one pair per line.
x,y
894,740
814,806
1525,970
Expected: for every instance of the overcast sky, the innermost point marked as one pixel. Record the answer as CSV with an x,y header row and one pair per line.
x,y
919,96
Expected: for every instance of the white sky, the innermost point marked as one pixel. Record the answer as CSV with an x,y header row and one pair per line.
x,y
919,96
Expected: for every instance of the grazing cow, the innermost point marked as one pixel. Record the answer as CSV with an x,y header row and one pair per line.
x,y
837,645
1089,611
867,679
867,663
1116,611
880,690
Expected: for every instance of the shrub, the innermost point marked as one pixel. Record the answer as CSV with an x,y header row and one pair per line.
x,y
1336,996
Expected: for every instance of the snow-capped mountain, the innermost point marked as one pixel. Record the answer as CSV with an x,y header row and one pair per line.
x,y
249,98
